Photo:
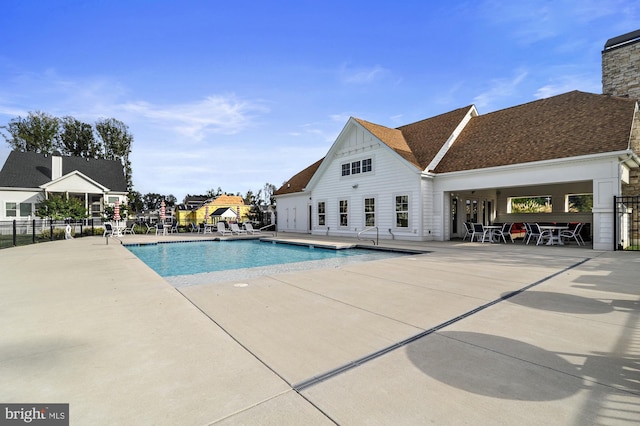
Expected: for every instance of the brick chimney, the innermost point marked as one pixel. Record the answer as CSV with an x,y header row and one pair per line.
x,y
621,66
56,165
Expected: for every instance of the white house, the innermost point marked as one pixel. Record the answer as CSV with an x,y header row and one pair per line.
x,y
422,181
28,177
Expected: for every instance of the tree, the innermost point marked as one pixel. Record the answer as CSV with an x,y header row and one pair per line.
x,y
77,139
152,201
116,144
136,203
58,207
269,189
38,132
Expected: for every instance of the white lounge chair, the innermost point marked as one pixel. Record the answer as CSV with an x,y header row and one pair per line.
x,y
236,229
222,230
249,228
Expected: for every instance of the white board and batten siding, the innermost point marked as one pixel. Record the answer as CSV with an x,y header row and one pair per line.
x,y
389,177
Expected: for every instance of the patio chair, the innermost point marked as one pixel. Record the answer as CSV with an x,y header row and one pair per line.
x,y
468,231
504,232
194,228
129,228
108,230
573,233
235,229
478,230
222,230
174,227
249,228
161,228
536,232
150,227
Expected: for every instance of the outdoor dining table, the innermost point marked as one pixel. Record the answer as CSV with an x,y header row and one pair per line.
x,y
555,238
491,229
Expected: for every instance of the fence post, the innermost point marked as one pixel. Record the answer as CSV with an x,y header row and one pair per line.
x,y
33,231
50,229
15,233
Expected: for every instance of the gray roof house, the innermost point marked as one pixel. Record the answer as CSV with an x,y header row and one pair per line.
x,y
27,177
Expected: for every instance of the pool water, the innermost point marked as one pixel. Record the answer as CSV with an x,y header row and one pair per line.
x,y
174,259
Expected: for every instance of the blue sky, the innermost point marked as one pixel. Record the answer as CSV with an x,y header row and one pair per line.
x,y
238,94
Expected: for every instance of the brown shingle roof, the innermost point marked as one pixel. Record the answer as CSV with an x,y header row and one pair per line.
x,y
425,138
567,125
419,142
391,137
299,181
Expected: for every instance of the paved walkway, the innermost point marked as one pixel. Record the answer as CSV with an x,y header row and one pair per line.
x,y
469,333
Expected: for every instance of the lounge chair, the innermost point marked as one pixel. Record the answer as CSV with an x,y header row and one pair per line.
x,y
249,228
236,229
222,230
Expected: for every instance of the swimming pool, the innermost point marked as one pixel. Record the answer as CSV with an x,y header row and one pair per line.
x,y
252,256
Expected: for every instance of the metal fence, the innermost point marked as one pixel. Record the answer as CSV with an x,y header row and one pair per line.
x,y
22,232
627,223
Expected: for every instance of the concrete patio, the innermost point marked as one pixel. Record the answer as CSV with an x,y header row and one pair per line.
x,y
467,333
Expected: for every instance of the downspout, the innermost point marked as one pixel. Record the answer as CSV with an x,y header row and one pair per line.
x,y
393,237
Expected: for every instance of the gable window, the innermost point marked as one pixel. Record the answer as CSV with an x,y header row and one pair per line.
x,y
321,214
402,211
369,212
357,167
366,165
344,213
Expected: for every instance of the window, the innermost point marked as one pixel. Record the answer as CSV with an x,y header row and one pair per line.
x,y
26,209
11,209
355,167
112,200
579,203
18,209
369,212
321,213
402,211
366,165
539,204
344,213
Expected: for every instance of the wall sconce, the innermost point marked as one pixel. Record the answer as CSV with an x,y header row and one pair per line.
x,y
354,186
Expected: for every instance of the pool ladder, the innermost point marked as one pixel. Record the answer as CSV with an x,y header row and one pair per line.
x,y
375,242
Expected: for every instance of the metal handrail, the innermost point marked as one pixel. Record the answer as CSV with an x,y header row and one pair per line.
x,y
376,241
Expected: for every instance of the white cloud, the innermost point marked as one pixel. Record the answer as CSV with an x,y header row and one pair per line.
x,y
501,88
362,75
195,120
